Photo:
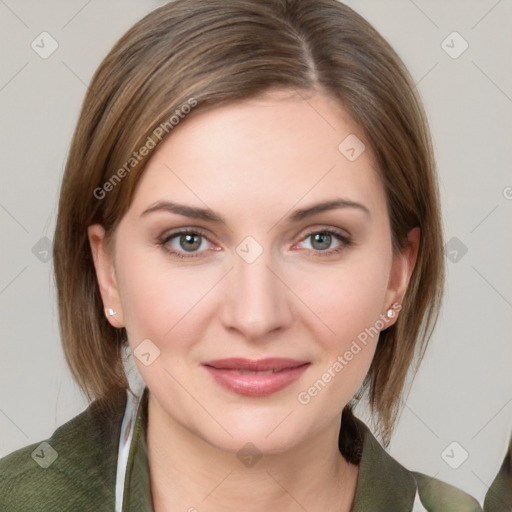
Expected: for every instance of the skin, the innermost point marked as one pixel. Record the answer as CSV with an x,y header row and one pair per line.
x,y
253,162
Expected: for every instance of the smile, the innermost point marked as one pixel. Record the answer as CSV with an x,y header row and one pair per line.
x,y
255,378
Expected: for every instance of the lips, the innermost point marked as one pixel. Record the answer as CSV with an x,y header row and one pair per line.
x,y
262,365
255,377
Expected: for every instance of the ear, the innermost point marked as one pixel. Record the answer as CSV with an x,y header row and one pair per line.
x,y
105,274
401,271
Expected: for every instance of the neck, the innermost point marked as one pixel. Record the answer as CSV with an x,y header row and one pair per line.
x,y
192,475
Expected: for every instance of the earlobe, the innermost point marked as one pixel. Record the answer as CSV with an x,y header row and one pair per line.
x,y
105,275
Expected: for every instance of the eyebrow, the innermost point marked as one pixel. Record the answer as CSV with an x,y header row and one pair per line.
x,y
209,215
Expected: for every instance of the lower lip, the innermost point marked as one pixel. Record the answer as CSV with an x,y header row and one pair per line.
x,y
256,384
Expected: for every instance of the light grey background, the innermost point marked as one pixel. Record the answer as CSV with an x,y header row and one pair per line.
x,y
463,392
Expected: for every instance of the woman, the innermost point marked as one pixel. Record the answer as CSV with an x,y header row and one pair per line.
x,y
250,207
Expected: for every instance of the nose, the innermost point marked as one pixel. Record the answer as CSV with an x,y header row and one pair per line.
x,y
257,298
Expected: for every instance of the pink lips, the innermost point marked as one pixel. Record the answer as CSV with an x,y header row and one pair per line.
x,y
255,377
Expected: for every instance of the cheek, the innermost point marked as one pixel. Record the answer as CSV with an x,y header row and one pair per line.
x,y
158,299
350,305
350,298
161,305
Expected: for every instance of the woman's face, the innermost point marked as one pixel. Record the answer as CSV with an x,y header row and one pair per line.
x,y
273,279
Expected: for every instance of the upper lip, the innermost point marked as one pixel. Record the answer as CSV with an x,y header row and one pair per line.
x,y
239,363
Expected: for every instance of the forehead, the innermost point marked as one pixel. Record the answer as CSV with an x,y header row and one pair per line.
x,y
276,151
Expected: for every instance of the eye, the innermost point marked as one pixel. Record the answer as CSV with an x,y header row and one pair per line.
x,y
322,239
185,243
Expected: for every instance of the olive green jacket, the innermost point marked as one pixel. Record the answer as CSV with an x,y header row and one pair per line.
x,y
499,496
75,470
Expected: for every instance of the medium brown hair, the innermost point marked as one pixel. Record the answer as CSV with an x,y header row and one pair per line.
x,y
210,52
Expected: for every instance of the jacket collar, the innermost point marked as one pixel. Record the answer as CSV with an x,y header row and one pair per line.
x,y
396,486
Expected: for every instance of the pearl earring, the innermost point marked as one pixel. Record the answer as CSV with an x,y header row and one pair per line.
x,y
390,313
109,312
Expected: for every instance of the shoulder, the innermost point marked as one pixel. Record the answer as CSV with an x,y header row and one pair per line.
x,y
435,495
499,495
385,484
72,469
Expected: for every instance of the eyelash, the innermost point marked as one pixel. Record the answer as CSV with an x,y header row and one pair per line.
x,y
346,242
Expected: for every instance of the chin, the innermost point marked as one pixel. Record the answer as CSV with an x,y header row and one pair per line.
x,y
266,433
253,443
